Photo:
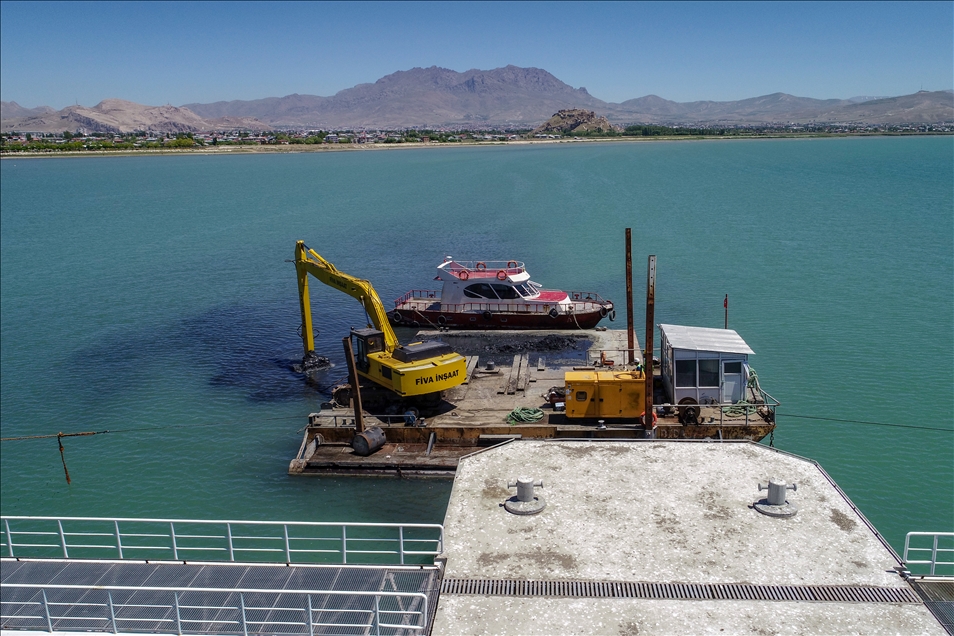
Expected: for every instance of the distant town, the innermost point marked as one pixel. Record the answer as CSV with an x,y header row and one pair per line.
x,y
17,142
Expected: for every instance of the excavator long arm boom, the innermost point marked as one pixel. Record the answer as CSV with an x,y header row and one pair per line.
x,y
423,368
308,261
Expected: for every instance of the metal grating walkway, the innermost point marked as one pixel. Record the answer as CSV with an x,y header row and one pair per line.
x,y
938,596
218,598
680,591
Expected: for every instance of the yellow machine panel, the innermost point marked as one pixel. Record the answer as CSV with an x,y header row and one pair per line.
x,y
581,393
437,374
605,394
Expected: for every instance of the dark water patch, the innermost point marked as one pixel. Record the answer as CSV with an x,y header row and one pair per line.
x,y
250,347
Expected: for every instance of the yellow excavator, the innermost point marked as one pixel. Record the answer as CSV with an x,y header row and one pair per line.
x,y
416,369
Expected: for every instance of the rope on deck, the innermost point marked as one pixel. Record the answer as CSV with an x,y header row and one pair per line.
x,y
739,408
523,414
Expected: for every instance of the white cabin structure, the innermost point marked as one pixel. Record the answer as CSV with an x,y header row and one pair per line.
x,y
702,365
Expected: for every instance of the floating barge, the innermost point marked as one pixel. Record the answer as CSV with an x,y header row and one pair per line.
x,y
512,371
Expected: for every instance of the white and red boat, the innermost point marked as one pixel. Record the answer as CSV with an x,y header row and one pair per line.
x,y
497,295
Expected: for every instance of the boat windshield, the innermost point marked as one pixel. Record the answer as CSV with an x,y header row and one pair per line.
x,y
527,291
493,291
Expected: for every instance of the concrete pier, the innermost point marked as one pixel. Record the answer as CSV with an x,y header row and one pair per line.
x,y
661,537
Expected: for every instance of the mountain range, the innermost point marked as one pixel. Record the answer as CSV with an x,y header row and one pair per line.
x,y
435,97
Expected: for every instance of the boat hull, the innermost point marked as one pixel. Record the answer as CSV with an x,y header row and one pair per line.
x,y
401,317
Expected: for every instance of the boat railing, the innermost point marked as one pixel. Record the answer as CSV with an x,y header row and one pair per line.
x,y
511,267
935,551
235,541
585,297
209,610
417,301
422,295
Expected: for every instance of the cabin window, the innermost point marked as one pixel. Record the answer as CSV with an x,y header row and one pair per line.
x,y
581,396
732,367
709,372
480,290
685,373
505,292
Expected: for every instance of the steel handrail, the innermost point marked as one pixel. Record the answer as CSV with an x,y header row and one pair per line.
x,y
242,609
934,550
228,539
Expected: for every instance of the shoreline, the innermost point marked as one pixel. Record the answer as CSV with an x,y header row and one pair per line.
x,y
306,148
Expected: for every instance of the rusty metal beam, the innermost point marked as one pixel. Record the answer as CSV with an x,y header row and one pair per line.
x,y
650,328
355,386
630,327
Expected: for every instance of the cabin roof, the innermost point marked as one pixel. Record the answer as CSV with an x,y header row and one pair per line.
x,y
704,339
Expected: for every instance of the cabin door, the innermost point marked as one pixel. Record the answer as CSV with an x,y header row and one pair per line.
x,y
732,383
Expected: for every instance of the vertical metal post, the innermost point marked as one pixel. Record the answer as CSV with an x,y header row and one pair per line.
x,y
355,386
112,612
175,598
401,542
725,303
242,605
119,539
6,522
630,328
287,544
650,329
59,524
228,534
175,548
344,544
46,611
934,555
377,615
311,618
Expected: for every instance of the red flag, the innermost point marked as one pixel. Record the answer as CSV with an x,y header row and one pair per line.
x,y
726,302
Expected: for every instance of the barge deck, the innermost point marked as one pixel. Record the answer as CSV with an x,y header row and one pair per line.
x,y
505,371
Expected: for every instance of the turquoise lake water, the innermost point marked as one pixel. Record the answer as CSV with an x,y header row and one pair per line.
x,y
150,296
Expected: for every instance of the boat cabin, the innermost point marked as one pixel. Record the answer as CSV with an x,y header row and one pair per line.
x,y
702,365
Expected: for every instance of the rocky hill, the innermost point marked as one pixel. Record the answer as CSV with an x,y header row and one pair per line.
x,y
527,96
503,97
922,107
11,110
120,116
421,97
574,122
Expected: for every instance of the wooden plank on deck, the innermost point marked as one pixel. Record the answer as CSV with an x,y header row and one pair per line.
x,y
523,375
514,372
471,365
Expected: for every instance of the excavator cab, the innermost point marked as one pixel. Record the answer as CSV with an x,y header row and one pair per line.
x,y
365,341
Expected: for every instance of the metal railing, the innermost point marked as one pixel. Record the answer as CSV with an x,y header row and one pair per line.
x,y
935,547
203,540
421,300
184,610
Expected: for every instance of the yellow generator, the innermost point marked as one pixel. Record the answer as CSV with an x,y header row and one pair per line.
x,y
605,394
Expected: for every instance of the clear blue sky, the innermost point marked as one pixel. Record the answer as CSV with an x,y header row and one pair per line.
x,y
56,54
